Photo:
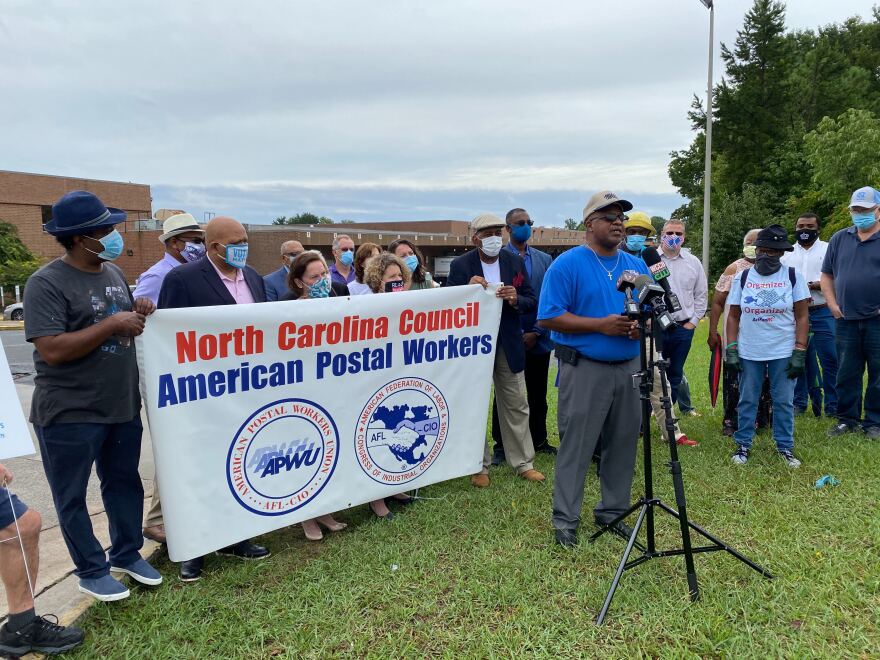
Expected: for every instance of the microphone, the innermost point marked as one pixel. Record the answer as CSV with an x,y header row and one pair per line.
x,y
648,289
627,283
660,273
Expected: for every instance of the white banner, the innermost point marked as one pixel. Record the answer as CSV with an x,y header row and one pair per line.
x,y
269,414
14,437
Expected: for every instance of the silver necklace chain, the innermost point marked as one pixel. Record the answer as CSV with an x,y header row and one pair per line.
x,y
599,261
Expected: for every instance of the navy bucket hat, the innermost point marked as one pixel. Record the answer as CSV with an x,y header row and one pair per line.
x,y
81,212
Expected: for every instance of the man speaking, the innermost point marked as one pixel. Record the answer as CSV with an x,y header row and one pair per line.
x,y
598,353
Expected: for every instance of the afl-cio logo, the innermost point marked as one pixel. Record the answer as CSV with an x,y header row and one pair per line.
x,y
282,456
401,431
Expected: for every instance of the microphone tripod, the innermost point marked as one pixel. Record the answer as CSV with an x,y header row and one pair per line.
x,y
649,502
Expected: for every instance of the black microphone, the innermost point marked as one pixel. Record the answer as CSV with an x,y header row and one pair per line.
x,y
627,283
660,273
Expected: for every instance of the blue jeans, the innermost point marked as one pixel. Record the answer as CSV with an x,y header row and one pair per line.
x,y
858,347
684,396
676,346
820,353
69,451
781,393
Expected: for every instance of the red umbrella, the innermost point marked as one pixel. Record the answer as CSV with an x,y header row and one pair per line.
x,y
714,372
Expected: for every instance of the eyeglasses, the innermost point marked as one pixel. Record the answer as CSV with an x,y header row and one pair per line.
x,y
673,233
342,249
292,255
610,217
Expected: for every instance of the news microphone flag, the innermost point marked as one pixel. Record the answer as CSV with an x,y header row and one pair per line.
x,y
659,271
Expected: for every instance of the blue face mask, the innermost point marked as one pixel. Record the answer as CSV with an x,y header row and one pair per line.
x,y
521,233
412,262
193,251
635,243
347,258
863,220
236,255
113,244
320,289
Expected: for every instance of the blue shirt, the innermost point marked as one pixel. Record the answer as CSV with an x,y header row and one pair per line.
x,y
767,323
855,265
336,276
150,282
577,283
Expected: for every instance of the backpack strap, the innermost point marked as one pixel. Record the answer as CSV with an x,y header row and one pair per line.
x,y
791,276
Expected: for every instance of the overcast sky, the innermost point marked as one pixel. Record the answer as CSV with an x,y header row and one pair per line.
x,y
365,110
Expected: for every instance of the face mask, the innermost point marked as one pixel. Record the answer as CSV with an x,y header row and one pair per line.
x,y
236,255
320,289
635,243
767,265
394,287
749,252
412,262
193,251
347,258
491,245
112,243
863,220
807,236
672,243
521,233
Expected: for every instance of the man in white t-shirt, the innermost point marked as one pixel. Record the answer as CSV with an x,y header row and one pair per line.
x,y
767,330
807,257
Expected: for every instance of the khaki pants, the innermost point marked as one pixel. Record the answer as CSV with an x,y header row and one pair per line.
x,y
513,415
656,393
154,516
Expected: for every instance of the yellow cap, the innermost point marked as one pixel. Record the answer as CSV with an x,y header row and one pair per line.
x,y
638,219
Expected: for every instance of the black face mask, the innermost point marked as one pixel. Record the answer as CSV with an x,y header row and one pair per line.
x,y
807,236
767,265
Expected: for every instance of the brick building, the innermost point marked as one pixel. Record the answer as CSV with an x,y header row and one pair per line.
x,y
26,201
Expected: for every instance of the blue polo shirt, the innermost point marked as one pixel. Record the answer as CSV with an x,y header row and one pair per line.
x,y
577,283
855,266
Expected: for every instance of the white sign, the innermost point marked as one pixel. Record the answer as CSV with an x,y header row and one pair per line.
x,y
269,414
15,440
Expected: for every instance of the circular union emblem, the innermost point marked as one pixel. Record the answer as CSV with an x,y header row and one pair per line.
x,y
401,431
282,456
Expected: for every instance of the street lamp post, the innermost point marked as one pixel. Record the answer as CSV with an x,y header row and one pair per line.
x,y
707,175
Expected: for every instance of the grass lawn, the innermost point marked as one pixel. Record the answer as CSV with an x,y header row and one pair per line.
x,y
474,573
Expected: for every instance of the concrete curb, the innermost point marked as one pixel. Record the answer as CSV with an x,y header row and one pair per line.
x,y
70,604
11,325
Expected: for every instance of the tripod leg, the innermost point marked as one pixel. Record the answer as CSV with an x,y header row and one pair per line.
x,y
622,566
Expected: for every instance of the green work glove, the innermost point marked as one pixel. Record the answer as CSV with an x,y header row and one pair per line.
x,y
797,363
731,358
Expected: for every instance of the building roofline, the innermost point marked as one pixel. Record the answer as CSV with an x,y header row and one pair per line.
x,y
76,178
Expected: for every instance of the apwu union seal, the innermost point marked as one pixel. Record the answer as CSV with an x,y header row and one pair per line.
x,y
401,431
282,456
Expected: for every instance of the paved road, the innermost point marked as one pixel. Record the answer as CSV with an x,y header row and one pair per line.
x,y
19,353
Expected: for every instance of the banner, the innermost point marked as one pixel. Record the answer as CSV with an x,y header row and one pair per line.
x,y
268,414
14,437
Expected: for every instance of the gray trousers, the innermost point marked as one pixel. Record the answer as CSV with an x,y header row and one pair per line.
x,y
513,416
595,399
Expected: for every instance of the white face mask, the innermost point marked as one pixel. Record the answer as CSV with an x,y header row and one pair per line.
x,y
491,245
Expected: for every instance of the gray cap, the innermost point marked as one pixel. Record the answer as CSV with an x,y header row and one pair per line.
x,y
486,221
602,199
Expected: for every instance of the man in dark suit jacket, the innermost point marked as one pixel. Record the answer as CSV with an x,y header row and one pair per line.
x,y
489,264
276,281
221,278
535,339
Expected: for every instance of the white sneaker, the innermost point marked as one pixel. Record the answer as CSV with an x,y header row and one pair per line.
x,y
790,459
741,455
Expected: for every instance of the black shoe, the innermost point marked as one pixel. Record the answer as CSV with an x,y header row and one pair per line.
x,y
727,431
191,569
567,538
546,449
841,428
40,635
245,550
498,458
619,528
873,432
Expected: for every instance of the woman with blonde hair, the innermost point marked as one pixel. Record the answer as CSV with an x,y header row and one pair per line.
x,y
387,273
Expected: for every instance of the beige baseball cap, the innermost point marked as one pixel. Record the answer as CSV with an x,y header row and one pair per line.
x,y
602,199
179,224
486,221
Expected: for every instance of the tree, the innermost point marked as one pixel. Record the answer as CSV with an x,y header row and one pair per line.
x,y
302,219
733,215
17,262
571,223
